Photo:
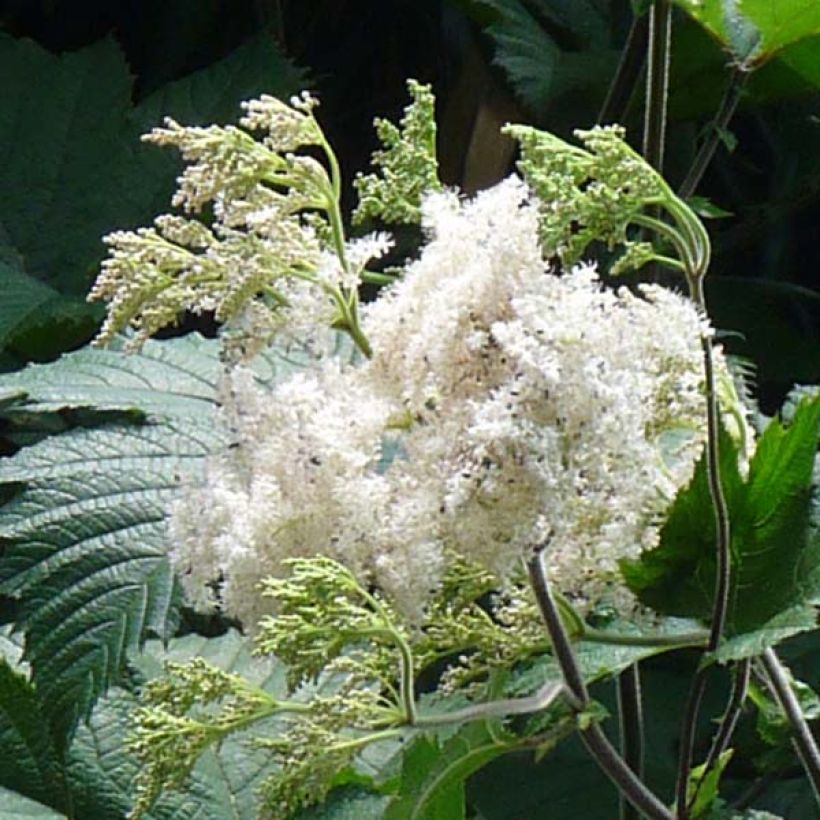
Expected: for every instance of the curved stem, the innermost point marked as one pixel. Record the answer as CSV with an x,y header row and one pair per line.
x,y
725,112
596,742
668,231
724,564
543,698
721,510
630,716
803,739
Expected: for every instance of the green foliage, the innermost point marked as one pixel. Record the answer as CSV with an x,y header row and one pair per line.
x,y
85,545
552,52
13,806
224,783
757,30
320,609
434,773
774,553
406,167
702,789
600,194
28,759
79,172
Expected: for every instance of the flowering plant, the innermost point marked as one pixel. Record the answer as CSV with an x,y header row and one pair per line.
x,y
492,479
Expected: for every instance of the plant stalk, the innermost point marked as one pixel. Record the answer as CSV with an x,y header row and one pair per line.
x,y
732,714
657,82
803,738
630,717
724,558
724,114
596,742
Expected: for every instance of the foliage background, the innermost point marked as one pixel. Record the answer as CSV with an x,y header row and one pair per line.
x,y
80,80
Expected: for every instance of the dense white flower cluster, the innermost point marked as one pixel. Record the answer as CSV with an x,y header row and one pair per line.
x,y
505,406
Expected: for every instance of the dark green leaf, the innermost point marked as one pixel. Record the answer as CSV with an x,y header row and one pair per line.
x,y
28,760
85,536
707,209
539,69
434,774
81,172
774,553
704,787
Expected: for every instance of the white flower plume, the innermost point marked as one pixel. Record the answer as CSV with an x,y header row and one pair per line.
x,y
504,406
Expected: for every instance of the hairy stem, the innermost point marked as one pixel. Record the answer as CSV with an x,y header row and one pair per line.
x,y
803,738
716,128
596,742
630,716
657,82
633,59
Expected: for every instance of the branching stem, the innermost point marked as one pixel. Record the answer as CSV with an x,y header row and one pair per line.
x,y
596,742
731,716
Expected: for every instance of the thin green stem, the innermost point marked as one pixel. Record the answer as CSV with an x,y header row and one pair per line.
x,y
543,698
657,82
376,278
630,718
671,233
684,639
803,738
359,742
596,742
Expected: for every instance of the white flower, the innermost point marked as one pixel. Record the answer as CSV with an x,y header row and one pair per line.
x,y
505,406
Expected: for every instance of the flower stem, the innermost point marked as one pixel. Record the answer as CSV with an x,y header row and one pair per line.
x,y
596,742
803,739
657,82
681,640
543,698
630,716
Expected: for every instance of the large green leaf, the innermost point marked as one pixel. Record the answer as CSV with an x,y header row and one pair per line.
x,y
434,773
755,31
72,167
775,555
225,780
85,535
29,763
531,38
13,806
